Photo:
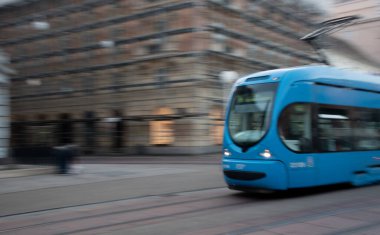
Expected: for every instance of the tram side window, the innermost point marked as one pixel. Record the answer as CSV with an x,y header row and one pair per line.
x,y
295,128
334,129
367,129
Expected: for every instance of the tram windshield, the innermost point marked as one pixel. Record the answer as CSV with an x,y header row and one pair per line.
x,y
249,114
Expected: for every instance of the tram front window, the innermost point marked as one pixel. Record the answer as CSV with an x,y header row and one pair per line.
x,y
249,114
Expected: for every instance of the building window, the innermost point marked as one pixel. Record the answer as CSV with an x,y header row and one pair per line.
x,y
228,49
252,51
116,81
154,47
161,77
65,86
162,129
219,43
88,83
161,25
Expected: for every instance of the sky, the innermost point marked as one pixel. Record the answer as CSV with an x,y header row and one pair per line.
x,y
323,4
5,1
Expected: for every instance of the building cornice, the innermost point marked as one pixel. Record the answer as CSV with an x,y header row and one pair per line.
x,y
93,68
96,46
265,23
98,24
211,28
264,43
60,11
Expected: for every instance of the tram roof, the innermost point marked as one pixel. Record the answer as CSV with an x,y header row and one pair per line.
x,y
321,74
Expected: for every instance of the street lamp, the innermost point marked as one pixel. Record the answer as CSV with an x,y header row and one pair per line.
x,y
227,78
41,25
107,43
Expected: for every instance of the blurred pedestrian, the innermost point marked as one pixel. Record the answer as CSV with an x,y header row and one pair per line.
x,y
67,158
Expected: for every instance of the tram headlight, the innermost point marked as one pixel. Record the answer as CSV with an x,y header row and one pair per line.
x,y
266,153
226,153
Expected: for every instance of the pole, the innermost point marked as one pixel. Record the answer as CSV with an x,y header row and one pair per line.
x,y
227,78
326,27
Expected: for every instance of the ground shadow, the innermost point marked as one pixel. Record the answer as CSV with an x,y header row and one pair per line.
x,y
293,193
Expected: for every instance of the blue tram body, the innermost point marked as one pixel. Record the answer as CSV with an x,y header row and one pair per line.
x,y
302,127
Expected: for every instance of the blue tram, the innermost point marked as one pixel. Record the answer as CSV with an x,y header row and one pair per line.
x,y
302,127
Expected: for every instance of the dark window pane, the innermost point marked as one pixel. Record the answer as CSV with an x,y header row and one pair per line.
x,y
334,129
367,129
295,128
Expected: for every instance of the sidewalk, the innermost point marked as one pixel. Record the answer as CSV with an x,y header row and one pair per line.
x,y
153,159
20,170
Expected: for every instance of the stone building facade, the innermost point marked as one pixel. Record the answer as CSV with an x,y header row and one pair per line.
x,y
123,76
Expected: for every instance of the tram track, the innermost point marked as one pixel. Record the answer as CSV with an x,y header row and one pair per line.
x,y
309,215
103,202
341,209
167,201
157,217
242,213
98,185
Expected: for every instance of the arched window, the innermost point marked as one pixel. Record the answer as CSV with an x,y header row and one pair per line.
x,y
162,129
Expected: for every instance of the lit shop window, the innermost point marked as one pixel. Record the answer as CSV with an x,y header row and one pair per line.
x,y
162,129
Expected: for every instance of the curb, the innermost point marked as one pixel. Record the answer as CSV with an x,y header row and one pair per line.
x,y
26,170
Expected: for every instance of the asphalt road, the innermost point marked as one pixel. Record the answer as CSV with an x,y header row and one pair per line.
x,y
176,199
